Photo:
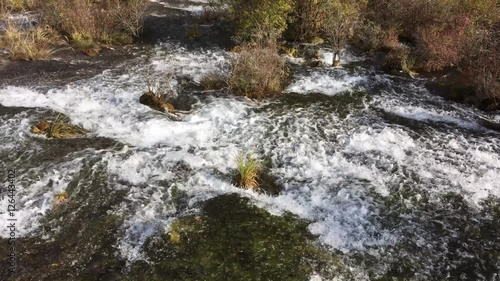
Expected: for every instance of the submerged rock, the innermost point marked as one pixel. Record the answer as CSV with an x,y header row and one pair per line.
x,y
234,240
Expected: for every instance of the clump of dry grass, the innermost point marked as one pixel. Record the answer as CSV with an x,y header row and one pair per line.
x,y
249,168
61,198
32,44
160,93
60,128
18,5
257,71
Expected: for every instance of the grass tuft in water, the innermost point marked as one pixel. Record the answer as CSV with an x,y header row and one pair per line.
x,y
61,197
60,128
249,168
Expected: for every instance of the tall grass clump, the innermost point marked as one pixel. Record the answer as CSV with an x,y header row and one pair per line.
x,y
248,171
32,44
60,198
257,71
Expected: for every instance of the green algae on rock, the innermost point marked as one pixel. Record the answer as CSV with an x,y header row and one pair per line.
x,y
233,240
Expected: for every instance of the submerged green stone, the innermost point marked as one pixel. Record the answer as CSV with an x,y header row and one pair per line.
x,y
233,240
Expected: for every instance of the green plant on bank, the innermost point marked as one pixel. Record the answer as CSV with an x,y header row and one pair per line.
x,y
257,71
32,44
248,167
88,23
307,19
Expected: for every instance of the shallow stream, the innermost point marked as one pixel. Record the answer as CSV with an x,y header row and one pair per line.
x,y
392,181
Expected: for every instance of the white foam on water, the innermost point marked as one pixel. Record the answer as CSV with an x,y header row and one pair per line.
x,y
433,115
395,143
188,7
295,60
193,64
328,164
327,82
346,56
448,161
34,197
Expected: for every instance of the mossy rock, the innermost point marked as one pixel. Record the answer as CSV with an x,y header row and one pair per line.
x,y
233,240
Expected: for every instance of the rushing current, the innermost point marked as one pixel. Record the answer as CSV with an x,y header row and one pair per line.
x,y
384,172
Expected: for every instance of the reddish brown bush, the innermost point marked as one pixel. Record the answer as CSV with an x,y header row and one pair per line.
x,y
444,46
257,72
440,30
482,64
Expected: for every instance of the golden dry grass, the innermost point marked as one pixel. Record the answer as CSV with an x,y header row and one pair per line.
x,y
60,128
33,44
249,169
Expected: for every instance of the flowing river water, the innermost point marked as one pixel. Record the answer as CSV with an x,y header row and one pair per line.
x,y
392,181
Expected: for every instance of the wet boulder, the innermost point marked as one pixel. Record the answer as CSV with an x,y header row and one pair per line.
x,y
156,102
316,63
489,124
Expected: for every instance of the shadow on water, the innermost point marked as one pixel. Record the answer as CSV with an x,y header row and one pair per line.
x,y
440,238
83,230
